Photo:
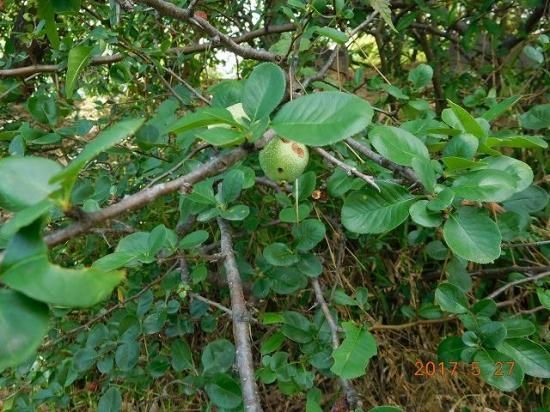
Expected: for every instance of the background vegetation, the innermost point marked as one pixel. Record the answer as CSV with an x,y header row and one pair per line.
x,y
147,263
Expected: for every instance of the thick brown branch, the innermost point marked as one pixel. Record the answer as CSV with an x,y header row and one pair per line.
x,y
241,323
170,10
146,196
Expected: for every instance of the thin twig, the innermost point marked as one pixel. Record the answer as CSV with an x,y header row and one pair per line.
x,y
388,164
351,394
518,282
103,315
241,322
347,168
539,243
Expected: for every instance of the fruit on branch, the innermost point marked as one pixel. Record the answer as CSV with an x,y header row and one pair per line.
x,y
284,160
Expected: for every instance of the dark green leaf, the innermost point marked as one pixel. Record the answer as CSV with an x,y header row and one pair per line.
x,y
472,235
323,118
371,211
263,90
397,145
24,323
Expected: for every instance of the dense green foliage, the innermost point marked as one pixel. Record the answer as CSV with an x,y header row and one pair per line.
x,y
151,257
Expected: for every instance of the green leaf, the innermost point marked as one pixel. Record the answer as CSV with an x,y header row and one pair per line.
x,y
467,120
114,261
127,355
24,322
335,35
451,298
103,141
297,327
66,6
489,185
193,239
383,8
313,399
492,333
518,170
43,108
494,369
232,185
463,145
201,118
397,145
224,391
424,217
530,200
263,91
78,58
236,213
279,254
518,328
182,357
46,12
425,172
449,350
306,185
24,181
37,278
370,211
25,268
443,200
533,358
352,356
544,297
385,408
472,235
221,136
310,265
500,108
218,356
527,142
111,401
25,217
323,118
453,163
308,233
538,117
272,343
291,215
533,54
420,76
84,359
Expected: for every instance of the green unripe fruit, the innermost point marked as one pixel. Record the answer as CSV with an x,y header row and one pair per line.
x,y
283,159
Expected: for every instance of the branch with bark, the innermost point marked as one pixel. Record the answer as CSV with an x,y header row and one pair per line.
x,y
167,9
148,195
241,322
405,172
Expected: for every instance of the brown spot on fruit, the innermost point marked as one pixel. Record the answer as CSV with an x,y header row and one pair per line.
x,y
280,169
297,149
